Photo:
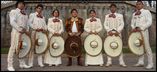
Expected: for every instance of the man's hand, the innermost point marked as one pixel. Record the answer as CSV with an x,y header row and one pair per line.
x,y
116,34
71,34
93,32
74,33
22,31
38,30
56,34
138,29
110,33
134,30
77,34
41,30
28,33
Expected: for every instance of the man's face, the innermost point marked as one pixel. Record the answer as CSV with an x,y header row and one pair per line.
x,y
113,9
56,14
39,9
74,14
21,6
92,14
139,5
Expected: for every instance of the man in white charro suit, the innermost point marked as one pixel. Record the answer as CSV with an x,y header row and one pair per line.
x,y
18,20
93,25
37,23
114,21
142,20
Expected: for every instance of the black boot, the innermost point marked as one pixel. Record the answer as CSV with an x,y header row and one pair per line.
x,y
69,61
79,61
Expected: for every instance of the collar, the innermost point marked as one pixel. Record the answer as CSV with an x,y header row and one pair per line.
x,y
141,9
113,13
18,9
91,17
55,17
74,19
37,13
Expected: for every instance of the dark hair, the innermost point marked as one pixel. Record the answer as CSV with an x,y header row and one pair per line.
x,y
74,10
54,11
39,5
92,11
139,1
113,5
19,2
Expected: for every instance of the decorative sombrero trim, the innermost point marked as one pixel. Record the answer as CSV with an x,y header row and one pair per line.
x,y
79,54
140,44
54,48
94,48
92,45
39,45
116,43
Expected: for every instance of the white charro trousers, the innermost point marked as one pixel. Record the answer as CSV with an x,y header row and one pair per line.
x,y
147,49
14,44
121,60
32,53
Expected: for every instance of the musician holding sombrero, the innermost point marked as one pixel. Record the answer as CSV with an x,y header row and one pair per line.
x,y
18,21
141,21
93,42
38,25
74,28
56,43
114,24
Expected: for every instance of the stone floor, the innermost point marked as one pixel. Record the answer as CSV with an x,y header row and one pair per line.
x,y
129,59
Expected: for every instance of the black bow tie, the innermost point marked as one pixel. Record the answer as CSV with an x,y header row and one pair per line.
x,y
40,16
112,15
92,19
138,12
56,20
22,12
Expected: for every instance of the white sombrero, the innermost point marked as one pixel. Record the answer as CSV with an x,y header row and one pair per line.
x,y
113,46
93,44
41,42
136,43
56,46
25,46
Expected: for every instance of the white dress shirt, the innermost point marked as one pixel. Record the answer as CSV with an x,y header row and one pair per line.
x,y
144,20
93,26
74,28
55,26
114,23
36,22
17,20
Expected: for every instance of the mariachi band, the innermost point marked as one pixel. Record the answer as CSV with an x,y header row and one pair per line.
x,y
31,35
